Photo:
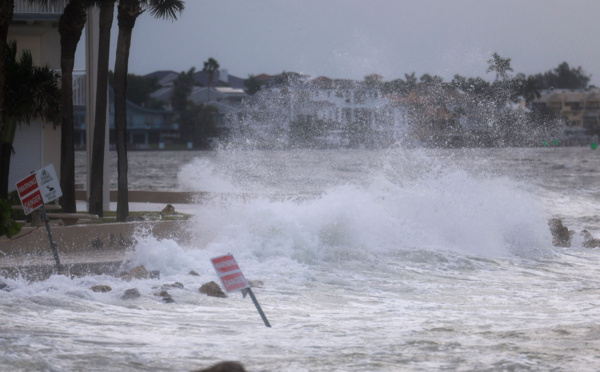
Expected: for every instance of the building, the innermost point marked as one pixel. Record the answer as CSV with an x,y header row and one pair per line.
x,y
34,27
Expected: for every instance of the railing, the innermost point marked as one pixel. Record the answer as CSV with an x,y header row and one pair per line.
x,y
79,87
52,7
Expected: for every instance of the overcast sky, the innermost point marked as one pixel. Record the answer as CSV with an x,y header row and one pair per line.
x,y
354,38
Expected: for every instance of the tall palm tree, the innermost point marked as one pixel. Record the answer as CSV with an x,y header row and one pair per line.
x,y
70,28
97,170
210,67
30,92
128,11
6,14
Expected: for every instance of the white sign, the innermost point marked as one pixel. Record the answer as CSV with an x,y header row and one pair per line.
x,y
38,188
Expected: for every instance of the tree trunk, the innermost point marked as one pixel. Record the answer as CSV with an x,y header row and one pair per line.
x,y
70,28
6,14
5,153
128,11
97,172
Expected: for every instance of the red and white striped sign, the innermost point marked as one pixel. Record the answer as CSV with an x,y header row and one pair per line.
x,y
229,273
38,188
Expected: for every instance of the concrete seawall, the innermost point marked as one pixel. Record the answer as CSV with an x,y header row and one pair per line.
x,y
83,249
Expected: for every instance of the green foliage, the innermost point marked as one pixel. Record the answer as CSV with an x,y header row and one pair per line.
x,y
8,226
562,77
253,85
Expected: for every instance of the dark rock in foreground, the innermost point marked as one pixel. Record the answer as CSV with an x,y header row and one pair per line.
x,y
166,296
3,285
561,236
212,289
131,294
101,288
224,367
138,272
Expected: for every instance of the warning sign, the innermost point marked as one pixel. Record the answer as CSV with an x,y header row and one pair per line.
x,y
39,188
229,272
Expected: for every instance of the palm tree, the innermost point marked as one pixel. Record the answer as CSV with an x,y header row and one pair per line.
x,y
97,170
30,92
128,11
70,28
6,15
210,67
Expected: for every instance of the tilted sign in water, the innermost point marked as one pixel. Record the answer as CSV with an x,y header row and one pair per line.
x,y
233,280
35,190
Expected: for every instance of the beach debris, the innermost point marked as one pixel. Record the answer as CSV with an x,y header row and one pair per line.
x,y
101,288
138,272
212,289
561,235
193,273
224,367
131,294
166,296
154,274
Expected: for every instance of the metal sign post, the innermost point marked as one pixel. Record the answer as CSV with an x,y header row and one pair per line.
x,y
232,279
41,187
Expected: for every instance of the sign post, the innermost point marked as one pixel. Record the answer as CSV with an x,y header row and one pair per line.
x,y
35,190
233,280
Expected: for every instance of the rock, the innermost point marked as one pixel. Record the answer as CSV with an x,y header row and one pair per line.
x,y
212,289
561,236
193,273
174,285
168,210
138,272
589,241
101,288
131,294
3,285
166,296
224,367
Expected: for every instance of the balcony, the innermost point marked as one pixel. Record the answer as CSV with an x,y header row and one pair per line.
x,y
24,11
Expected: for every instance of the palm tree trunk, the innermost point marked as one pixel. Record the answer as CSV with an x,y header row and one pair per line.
x,y
6,15
128,11
70,28
97,172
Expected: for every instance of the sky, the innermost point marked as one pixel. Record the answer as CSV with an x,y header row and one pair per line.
x,y
355,38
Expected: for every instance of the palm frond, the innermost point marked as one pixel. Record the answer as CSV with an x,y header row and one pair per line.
x,y
166,9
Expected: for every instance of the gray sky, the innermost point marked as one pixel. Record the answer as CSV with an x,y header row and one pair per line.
x,y
354,38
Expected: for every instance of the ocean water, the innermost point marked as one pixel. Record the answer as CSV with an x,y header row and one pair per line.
x,y
370,260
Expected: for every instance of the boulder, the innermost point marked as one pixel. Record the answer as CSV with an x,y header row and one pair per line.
x,y
212,289
166,296
224,367
174,285
131,294
101,288
168,210
561,235
589,241
3,285
193,273
138,272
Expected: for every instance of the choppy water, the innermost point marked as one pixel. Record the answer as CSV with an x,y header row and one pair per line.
x,y
397,260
